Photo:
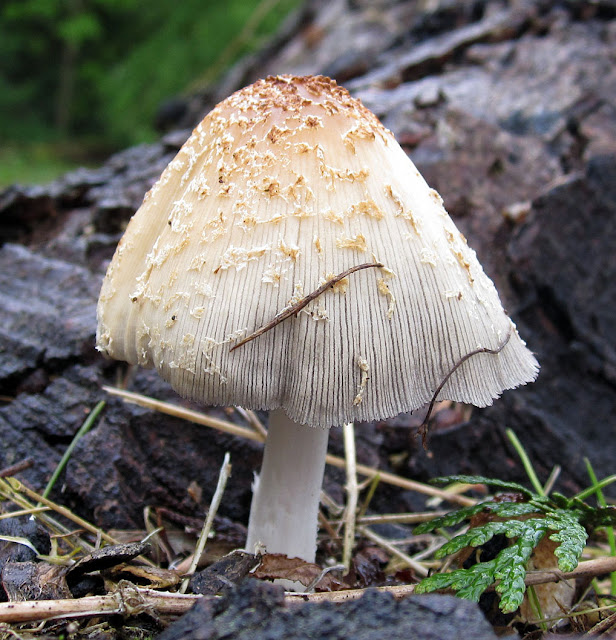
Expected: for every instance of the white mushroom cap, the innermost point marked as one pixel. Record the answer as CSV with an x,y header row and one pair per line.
x,y
282,186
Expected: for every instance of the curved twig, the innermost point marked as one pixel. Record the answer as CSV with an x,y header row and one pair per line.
x,y
423,427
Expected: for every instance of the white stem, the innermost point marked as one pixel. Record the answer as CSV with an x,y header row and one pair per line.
x,y
352,492
285,504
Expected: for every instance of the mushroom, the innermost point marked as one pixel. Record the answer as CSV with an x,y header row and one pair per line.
x,y
293,211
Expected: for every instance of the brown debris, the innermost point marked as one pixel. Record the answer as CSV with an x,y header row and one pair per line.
x,y
27,581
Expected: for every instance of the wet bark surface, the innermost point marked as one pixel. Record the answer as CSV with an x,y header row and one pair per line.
x,y
507,108
256,610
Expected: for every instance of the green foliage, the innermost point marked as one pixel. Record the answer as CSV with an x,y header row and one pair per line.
x,y
102,67
34,163
490,482
477,536
449,519
171,51
48,50
524,517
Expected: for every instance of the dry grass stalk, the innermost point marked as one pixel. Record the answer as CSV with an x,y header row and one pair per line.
x,y
185,414
400,518
253,420
23,512
15,491
604,629
417,567
225,472
250,434
127,600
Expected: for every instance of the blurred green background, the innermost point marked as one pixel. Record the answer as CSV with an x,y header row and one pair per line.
x,y
80,79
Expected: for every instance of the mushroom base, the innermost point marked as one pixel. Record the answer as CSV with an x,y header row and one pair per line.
x,y
285,504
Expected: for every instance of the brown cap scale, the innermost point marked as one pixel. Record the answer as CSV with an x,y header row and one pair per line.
x,y
283,186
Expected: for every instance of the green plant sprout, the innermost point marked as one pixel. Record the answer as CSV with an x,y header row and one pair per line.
x,y
525,517
85,427
609,531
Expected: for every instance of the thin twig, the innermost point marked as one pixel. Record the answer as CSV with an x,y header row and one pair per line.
x,y
295,308
417,567
165,603
399,592
423,427
225,472
352,492
250,434
7,472
584,569
587,569
400,518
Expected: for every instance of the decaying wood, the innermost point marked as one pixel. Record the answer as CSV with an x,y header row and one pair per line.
x,y
335,461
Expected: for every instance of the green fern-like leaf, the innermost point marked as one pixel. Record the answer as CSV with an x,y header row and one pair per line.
x,y
510,509
449,520
478,536
438,582
579,505
511,571
480,577
509,566
601,517
561,501
570,535
491,482
467,583
453,518
526,523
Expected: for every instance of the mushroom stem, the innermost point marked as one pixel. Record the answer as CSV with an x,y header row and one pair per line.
x,y
285,504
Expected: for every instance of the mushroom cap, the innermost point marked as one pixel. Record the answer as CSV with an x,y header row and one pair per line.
x,y
282,186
